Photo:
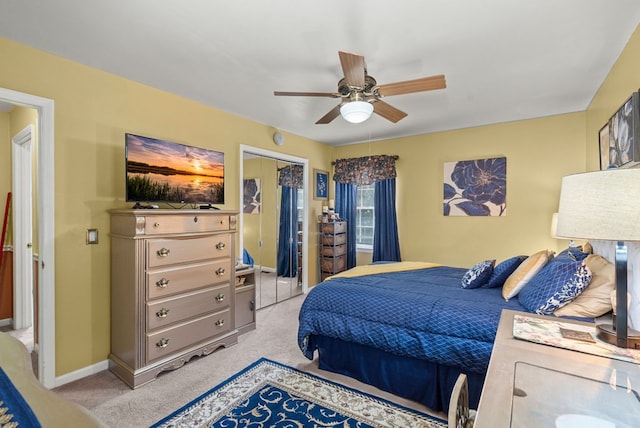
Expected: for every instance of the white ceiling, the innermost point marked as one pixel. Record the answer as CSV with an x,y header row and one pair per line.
x,y
504,60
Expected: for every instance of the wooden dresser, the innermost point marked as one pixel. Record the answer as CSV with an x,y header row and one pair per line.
x,y
333,248
172,289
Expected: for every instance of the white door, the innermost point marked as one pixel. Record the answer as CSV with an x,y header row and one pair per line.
x,y
46,226
22,189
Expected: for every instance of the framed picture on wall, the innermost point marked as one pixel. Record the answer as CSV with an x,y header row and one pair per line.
x,y
320,184
619,138
604,146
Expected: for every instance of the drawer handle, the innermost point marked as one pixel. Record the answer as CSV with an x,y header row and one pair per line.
x,y
220,322
163,252
163,343
222,221
220,271
221,245
162,283
195,219
162,313
220,297
156,224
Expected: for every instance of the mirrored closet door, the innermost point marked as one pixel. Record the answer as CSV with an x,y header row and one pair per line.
x,y
273,224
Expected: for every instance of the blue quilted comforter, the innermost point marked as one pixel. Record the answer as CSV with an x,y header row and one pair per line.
x,y
423,314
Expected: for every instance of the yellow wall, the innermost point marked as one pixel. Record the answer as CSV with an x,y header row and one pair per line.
x,y
93,110
539,152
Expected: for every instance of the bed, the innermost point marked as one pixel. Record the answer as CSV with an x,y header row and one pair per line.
x,y
409,331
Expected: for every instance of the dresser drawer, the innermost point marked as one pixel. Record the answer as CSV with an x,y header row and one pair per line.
x,y
334,227
165,342
180,279
163,252
333,239
164,312
336,250
185,223
333,264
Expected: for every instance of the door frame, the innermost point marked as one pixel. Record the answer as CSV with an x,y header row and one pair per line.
x,y
305,217
22,171
46,231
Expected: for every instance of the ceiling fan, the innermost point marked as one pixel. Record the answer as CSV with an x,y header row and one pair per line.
x,y
361,95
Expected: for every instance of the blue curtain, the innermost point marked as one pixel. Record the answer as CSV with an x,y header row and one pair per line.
x,y
386,246
346,206
287,236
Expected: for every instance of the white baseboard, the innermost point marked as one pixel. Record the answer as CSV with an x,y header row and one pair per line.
x,y
83,372
6,322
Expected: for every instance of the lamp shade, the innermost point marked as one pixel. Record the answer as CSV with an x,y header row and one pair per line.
x,y
603,205
356,111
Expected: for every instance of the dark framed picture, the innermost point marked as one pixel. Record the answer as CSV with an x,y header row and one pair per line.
x,y
619,138
320,184
604,146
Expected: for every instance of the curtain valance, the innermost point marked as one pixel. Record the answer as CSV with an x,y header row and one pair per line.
x,y
291,176
365,170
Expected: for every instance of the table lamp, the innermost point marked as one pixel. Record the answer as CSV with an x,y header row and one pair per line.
x,y
605,205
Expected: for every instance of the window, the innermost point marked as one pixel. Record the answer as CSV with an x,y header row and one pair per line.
x,y
364,217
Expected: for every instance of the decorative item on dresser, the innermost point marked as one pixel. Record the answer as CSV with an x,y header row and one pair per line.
x,y
172,273
333,248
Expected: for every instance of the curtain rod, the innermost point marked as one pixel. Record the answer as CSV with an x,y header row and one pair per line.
x,y
395,157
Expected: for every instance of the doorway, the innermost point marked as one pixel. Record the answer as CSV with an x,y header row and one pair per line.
x,y
45,272
273,222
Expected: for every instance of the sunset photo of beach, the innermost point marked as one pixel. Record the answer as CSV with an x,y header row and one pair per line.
x,y
163,171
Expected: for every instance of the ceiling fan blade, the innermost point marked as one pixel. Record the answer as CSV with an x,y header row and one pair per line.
x,y
353,68
410,86
335,112
307,94
388,111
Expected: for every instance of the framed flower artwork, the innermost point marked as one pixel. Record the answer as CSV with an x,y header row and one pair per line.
x,y
476,187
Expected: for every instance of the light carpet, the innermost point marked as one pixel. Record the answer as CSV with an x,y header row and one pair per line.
x,y
270,394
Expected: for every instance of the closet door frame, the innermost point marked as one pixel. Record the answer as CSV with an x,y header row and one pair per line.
x,y
305,217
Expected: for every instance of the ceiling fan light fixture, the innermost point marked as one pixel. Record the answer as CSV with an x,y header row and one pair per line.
x,y
356,111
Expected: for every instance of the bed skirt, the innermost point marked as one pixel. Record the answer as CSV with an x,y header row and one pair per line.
x,y
418,380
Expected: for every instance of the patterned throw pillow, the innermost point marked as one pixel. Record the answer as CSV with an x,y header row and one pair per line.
x,y
478,274
555,286
502,271
595,300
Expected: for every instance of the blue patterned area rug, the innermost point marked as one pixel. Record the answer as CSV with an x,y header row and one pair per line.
x,y
270,394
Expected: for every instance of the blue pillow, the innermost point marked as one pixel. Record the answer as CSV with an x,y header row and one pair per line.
x,y
502,271
554,286
478,274
571,254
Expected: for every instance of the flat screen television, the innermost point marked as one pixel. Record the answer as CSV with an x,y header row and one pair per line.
x,y
172,173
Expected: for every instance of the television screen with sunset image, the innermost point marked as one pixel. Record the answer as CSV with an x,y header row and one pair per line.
x,y
162,171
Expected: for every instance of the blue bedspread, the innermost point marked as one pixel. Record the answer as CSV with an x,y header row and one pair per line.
x,y
423,314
